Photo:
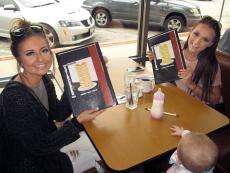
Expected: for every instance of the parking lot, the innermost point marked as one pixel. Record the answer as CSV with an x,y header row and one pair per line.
x,y
123,32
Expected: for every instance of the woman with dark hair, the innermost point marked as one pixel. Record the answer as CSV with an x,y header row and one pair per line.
x,y
29,106
202,78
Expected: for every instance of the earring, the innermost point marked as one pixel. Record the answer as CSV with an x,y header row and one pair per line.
x,y
19,67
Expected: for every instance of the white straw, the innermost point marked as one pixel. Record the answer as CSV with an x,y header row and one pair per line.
x,y
166,113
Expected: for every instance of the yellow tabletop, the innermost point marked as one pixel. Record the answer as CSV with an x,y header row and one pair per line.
x,y
126,138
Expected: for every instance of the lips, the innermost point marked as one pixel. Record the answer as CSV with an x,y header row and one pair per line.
x,y
40,66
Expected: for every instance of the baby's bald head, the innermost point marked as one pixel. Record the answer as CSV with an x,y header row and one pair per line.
x,y
197,152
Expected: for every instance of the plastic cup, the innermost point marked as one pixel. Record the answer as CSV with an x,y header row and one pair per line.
x,y
147,85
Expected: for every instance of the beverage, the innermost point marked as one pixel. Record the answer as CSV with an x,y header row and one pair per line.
x,y
131,94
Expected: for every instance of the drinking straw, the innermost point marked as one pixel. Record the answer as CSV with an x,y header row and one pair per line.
x,y
131,99
166,113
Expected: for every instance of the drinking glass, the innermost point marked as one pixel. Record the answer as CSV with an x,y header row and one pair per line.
x,y
132,94
129,79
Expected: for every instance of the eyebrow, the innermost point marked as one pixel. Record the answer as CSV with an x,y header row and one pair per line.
x,y
47,47
31,50
39,49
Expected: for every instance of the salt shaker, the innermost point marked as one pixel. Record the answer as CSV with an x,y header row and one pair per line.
x,y
158,104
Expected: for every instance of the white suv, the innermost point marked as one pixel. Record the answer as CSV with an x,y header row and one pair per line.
x,y
63,25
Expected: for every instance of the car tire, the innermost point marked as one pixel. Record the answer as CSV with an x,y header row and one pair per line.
x,y
102,18
51,36
174,22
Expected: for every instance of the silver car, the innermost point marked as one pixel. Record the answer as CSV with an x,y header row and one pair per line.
x,y
171,14
63,25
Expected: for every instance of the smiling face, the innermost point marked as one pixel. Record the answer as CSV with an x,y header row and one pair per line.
x,y
201,37
35,56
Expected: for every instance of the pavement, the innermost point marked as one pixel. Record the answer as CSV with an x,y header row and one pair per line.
x,y
120,31
8,65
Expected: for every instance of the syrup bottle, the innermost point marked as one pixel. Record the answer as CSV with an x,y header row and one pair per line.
x,y
157,108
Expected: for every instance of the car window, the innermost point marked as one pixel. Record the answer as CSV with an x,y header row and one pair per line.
x,y
37,3
6,2
123,0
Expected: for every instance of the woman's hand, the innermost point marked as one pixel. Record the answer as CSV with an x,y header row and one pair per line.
x,y
176,130
187,75
105,59
74,154
150,55
89,115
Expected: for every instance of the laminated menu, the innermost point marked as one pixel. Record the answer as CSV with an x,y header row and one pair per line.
x,y
168,59
86,78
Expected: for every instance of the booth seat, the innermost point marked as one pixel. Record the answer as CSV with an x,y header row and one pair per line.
x,y
224,62
222,136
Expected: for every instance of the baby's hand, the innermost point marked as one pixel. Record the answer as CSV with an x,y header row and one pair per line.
x,y
176,130
150,55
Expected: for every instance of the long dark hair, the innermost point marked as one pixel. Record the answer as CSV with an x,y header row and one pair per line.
x,y
207,66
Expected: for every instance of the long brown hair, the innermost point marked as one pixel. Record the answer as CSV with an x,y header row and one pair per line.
x,y
207,64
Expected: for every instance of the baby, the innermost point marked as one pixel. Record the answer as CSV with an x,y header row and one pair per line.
x,y
196,152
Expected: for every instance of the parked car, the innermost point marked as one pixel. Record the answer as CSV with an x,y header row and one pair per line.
x,y
171,14
63,25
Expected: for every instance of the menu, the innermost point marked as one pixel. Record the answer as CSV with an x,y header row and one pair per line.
x,y
86,78
169,58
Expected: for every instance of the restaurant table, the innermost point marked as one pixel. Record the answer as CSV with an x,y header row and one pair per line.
x,y
126,138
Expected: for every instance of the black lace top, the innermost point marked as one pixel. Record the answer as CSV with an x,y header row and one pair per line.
x,y
31,139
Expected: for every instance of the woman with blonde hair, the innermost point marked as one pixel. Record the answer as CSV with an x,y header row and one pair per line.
x,y
29,107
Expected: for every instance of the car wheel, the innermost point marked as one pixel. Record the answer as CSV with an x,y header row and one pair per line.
x,y
102,18
51,36
174,22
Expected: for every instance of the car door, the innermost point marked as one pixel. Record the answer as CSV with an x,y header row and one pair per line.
x,y
158,11
8,16
124,9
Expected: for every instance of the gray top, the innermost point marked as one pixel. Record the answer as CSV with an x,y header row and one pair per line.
x,y
41,92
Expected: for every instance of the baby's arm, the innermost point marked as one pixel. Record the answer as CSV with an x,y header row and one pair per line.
x,y
178,131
